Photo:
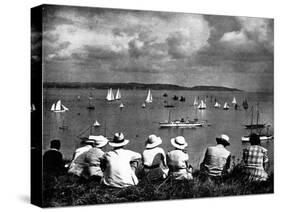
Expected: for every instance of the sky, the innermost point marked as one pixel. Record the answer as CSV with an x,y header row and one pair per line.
x,y
108,45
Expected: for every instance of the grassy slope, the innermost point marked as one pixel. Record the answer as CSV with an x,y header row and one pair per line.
x,y
67,190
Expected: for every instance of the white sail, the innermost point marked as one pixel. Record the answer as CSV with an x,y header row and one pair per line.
x,y
217,105
118,94
53,107
110,95
143,105
195,102
96,124
225,106
202,105
149,97
234,100
121,105
64,108
58,105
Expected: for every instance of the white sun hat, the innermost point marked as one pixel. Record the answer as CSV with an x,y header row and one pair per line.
x,y
152,141
97,140
224,138
179,142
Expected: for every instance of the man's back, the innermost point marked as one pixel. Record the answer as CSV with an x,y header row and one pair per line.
x,y
216,159
52,161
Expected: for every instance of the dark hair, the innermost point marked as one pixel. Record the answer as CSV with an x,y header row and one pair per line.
x,y
222,142
255,139
55,144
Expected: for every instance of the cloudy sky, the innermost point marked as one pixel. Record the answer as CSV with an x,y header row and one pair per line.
x,y
104,45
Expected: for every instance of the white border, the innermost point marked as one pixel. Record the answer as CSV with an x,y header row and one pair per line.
x,y
15,52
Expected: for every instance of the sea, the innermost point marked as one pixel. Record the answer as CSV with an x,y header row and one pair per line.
x,y
137,123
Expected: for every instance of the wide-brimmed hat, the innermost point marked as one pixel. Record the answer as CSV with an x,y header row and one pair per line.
x,y
152,141
118,140
97,140
179,142
223,138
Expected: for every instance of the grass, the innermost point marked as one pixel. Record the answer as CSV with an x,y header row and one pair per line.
x,y
66,190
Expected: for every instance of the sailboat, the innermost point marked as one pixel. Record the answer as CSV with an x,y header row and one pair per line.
x,y
217,105
33,108
195,102
110,95
245,104
234,101
121,106
58,107
226,107
143,105
257,127
202,105
149,97
96,124
118,95
181,123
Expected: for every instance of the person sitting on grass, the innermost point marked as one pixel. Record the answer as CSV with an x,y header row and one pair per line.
x,y
154,159
94,157
78,166
52,159
118,171
217,158
177,160
255,160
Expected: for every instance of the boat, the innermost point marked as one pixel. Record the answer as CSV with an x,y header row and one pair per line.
x,y
143,105
90,106
96,124
63,126
165,94
33,108
225,106
217,105
195,102
121,106
118,95
78,98
234,101
257,125
169,105
58,107
245,104
181,123
149,97
182,99
175,97
202,105
110,95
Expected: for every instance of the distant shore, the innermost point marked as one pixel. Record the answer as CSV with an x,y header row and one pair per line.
x,y
133,85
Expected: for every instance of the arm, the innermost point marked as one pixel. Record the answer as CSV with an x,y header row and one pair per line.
x,y
227,165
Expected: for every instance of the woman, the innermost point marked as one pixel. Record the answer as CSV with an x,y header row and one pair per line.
x,y
255,160
154,159
177,160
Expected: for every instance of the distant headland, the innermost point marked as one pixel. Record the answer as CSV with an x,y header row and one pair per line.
x,y
133,85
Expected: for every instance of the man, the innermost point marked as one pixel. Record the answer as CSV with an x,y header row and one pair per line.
x,y
255,160
118,171
53,159
217,158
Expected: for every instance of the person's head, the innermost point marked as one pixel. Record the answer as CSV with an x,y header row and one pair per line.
x,y
55,144
118,141
179,142
152,141
98,141
223,140
255,139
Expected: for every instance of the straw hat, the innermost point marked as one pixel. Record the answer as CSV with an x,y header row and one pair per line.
x,y
118,140
179,142
223,138
153,141
97,140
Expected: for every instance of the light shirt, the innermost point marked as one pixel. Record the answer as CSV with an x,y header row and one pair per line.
x,y
177,159
118,172
93,158
216,159
81,150
149,156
